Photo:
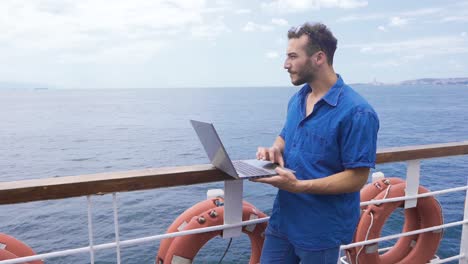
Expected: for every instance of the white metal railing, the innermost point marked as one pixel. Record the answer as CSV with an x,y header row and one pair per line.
x,y
410,198
234,223
131,242
118,244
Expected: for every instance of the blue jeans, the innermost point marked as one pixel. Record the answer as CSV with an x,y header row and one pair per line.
x,y
278,250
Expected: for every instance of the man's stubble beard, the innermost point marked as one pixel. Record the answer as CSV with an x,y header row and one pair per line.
x,y
308,75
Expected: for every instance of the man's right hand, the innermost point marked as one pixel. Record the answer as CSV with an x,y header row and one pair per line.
x,y
272,154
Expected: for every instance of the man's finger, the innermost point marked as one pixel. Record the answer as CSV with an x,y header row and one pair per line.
x,y
281,160
281,171
261,153
269,180
272,154
258,155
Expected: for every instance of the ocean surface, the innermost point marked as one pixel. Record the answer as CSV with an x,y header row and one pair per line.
x,y
53,133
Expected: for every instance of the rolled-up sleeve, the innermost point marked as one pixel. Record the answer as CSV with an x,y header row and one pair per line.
x,y
283,132
359,139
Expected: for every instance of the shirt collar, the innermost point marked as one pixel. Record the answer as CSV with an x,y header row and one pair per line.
x,y
331,97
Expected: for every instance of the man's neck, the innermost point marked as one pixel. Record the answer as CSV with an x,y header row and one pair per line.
x,y
322,84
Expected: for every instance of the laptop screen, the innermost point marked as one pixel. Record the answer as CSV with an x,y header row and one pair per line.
x,y
214,147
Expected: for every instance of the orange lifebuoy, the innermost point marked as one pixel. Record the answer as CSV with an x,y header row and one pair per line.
x,y
182,220
403,245
13,248
187,247
413,249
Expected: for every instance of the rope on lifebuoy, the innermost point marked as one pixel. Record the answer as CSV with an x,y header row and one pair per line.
x,y
183,249
11,248
412,249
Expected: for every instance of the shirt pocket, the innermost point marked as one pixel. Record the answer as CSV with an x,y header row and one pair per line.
x,y
313,145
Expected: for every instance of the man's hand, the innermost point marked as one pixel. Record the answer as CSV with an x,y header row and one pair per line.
x,y
285,180
272,154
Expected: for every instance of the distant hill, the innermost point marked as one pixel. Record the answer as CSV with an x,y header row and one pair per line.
x,y
437,81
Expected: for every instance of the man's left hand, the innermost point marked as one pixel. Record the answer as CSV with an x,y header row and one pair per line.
x,y
285,180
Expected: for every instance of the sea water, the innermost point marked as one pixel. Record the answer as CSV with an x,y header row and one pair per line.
x,y
53,133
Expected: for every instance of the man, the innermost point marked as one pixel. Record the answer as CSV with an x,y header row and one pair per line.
x,y
329,140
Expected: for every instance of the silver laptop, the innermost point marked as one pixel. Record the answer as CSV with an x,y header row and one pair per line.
x,y
239,169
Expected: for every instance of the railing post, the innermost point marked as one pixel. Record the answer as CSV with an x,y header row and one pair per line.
x,y
464,234
90,229
116,226
412,182
232,207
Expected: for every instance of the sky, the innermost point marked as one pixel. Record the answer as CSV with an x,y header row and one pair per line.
x,y
223,43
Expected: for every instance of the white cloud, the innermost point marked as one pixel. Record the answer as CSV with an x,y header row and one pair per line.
x,y
416,48
243,11
281,41
382,28
366,49
413,57
379,16
463,34
249,27
210,31
362,17
291,6
422,12
456,64
344,3
386,64
272,55
134,53
397,61
279,22
455,19
96,28
253,27
397,22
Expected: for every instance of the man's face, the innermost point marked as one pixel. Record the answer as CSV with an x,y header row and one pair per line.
x,y
300,66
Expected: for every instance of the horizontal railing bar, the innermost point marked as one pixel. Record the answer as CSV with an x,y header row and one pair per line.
x,y
445,260
409,197
136,241
102,183
410,233
397,154
131,242
193,231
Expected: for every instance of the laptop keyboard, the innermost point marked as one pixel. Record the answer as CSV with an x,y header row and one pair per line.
x,y
247,169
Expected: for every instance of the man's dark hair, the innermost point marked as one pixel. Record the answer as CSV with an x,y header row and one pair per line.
x,y
320,38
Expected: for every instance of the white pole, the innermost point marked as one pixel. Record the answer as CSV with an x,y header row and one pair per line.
x,y
232,207
90,229
464,235
116,226
412,182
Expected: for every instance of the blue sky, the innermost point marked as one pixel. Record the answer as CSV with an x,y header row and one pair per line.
x,y
185,43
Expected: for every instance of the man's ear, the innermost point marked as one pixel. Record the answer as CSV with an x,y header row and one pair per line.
x,y
321,58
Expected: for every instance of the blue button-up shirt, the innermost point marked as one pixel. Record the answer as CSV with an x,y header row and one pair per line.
x,y
339,134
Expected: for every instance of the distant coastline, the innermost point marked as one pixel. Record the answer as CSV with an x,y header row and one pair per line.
x,y
434,81
424,81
